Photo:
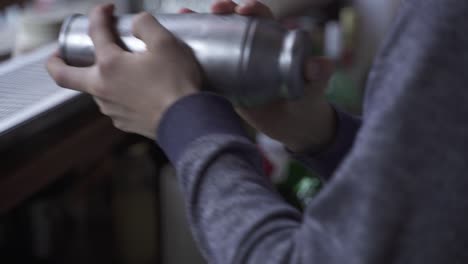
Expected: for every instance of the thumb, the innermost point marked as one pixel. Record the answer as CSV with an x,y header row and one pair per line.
x,y
318,69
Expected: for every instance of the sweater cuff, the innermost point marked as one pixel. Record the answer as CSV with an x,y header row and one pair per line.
x,y
193,117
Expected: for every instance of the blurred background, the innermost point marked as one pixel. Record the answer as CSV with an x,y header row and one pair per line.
x,y
75,190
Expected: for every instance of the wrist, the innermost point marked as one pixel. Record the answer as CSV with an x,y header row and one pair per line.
x,y
181,90
316,131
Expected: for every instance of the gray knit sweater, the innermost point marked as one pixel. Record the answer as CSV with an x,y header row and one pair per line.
x,y
397,191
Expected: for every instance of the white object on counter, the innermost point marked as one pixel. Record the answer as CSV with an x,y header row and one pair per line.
x,y
36,30
39,24
8,31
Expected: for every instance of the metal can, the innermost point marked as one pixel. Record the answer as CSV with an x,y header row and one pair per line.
x,y
250,61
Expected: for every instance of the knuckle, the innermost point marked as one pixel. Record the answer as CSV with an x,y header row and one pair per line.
x,y
92,29
60,78
163,41
94,18
119,125
142,18
101,91
104,110
108,63
116,124
96,12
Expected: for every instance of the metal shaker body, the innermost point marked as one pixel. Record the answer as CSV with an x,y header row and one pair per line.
x,y
250,61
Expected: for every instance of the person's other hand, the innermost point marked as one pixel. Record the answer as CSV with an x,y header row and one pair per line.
x,y
308,123
133,89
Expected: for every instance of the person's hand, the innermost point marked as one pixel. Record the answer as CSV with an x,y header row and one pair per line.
x,y
133,89
308,123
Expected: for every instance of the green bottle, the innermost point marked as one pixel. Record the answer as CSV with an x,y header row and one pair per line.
x,y
300,186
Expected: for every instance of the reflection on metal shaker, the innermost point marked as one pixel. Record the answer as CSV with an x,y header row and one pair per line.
x,y
250,61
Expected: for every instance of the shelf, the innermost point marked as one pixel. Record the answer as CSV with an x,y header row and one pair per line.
x,y
81,137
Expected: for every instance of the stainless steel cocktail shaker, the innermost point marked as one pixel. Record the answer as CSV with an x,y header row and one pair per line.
x,y
249,60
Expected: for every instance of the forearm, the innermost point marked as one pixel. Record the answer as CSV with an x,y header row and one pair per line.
x,y
230,201
233,208
235,213
237,217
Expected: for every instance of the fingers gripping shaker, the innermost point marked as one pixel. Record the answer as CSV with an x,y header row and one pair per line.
x,y
248,60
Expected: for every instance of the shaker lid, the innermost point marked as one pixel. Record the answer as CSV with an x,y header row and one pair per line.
x,y
297,47
65,29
